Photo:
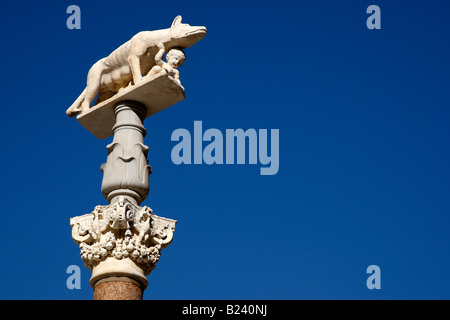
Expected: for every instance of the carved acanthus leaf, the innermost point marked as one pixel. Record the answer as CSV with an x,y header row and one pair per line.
x,y
122,230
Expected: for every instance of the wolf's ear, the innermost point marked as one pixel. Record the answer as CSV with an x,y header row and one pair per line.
x,y
176,21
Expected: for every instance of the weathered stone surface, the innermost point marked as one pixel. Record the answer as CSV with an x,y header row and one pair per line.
x,y
121,239
156,93
126,171
117,288
136,57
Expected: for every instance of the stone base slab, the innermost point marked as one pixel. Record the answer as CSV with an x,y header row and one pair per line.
x,y
156,93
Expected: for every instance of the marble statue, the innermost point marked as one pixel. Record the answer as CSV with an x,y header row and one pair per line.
x,y
123,240
127,64
175,58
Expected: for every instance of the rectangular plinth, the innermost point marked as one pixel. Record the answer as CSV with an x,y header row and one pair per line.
x,y
156,93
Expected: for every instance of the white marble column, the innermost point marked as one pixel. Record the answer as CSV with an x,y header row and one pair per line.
x,y
126,172
123,239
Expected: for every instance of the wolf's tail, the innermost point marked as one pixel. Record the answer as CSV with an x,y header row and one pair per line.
x,y
75,107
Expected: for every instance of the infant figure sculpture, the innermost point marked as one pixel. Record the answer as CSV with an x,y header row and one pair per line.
x,y
126,65
175,58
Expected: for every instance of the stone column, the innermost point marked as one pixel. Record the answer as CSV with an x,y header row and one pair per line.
x,y
126,170
121,242
118,288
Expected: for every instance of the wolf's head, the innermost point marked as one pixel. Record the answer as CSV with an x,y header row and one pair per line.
x,y
183,35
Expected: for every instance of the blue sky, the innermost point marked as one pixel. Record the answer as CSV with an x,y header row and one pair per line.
x,y
363,179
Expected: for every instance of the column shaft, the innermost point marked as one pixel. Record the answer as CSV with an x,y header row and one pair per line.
x,y
117,288
126,170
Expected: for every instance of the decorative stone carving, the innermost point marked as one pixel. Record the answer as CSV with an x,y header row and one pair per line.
x,y
126,65
126,170
122,230
175,58
156,93
123,240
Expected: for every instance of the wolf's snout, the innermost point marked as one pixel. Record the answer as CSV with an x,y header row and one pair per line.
x,y
198,30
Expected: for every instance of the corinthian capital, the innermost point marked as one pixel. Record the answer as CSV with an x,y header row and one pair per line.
x,y
124,235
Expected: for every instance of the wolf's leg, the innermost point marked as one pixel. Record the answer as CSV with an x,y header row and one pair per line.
x,y
93,84
135,66
91,92
138,48
75,107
